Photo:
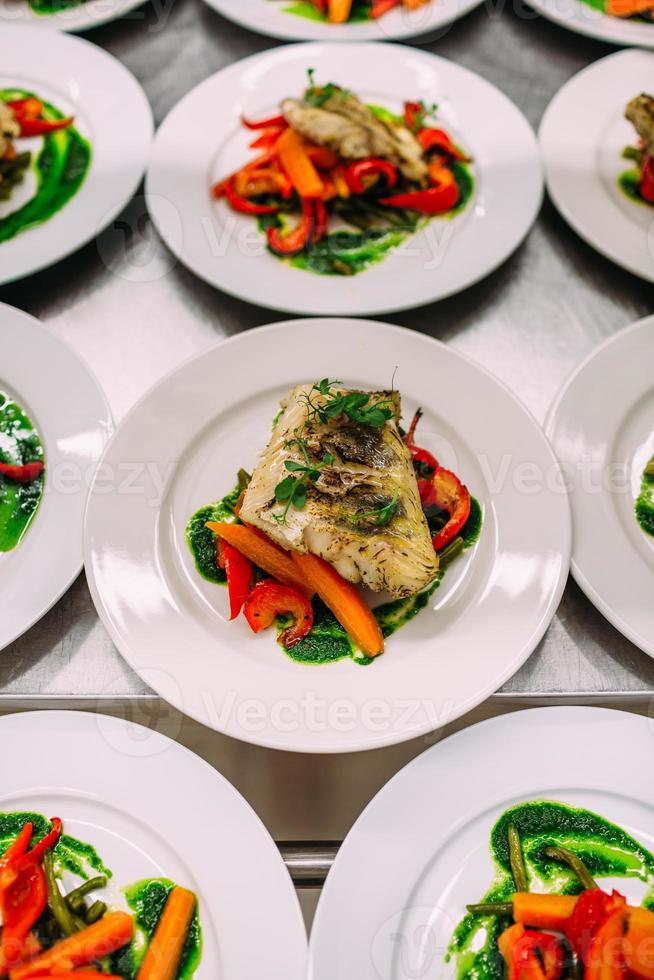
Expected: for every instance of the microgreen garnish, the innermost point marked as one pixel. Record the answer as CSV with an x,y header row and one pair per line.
x,y
292,490
421,114
356,405
317,95
378,517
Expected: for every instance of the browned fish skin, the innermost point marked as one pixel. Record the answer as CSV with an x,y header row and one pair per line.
x,y
372,469
640,112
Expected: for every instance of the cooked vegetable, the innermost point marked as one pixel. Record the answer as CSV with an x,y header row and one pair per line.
x,y
262,552
56,902
573,861
296,240
21,474
269,599
518,869
543,911
452,496
297,163
239,572
82,949
344,601
339,10
164,953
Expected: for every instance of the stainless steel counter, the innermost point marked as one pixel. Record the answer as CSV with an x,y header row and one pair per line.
x,y
133,315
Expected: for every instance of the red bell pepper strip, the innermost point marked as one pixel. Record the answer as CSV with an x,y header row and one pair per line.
x,y
47,842
41,127
264,123
422,457
436,200
450,495
268,138
241,204
321,221
269,599
295,241
536,956
646,186
19,846
358,170
593,908
29,108
22,902
605,959
426,491
239,571
21,474
431,139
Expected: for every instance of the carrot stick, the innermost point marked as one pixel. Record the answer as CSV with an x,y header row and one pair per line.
x,y
507,941
344,601
543,911
82,948
339,11
262,552
627,8
296,162
164,954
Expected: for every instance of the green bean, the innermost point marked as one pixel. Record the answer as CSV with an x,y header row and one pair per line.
x,y
343,268
516,859
573,861
95,912
92,885
449,553
491,908
56,902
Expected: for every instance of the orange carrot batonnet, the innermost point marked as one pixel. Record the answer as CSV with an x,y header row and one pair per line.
x,y
164,954
628,8
543,911
297,164
344,601
339,11
81,949
263,552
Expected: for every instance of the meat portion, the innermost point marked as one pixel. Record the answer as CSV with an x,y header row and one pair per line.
x,y
9,128
348,127
363,513
640,112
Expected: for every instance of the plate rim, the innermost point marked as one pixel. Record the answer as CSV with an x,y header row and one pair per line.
x,y
597,32
94,231
49,21
523,716
354,744
359,308
548,426
33,323
87,722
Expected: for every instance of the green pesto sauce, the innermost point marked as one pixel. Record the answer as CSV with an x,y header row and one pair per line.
x,y
45,8
304,8
605,849
70,854
146,900
645,503
327,642
60,169
19,444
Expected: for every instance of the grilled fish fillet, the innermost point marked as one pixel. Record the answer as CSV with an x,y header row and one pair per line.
x,y
640,112
348,127
9,128
371,469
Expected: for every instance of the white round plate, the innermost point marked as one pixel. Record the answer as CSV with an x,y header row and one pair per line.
x,y
111,785
110,110
581,18
73,421
583,162
227,250
91,13
601,426
420,851
197,428
271,18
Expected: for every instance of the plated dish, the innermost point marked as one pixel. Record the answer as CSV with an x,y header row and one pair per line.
x,y
65,15
341,496
54,422
351,20
619,22
638,181
199,435
63,176
356,166
585,166
131,887
336,184
62,914
551,874
606,450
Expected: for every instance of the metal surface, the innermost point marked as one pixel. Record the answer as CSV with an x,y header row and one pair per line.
x,y
134,316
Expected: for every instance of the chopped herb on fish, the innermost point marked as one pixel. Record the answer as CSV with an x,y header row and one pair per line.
x,y
378,517
292,490
356,405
